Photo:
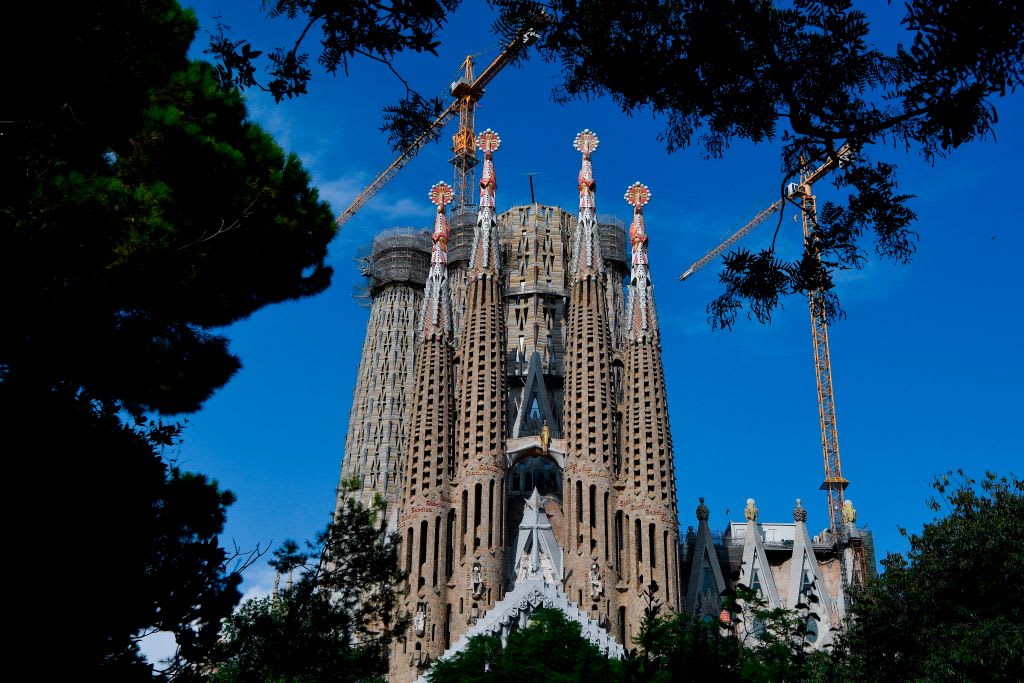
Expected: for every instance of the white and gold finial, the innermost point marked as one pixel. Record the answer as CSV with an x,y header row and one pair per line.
x,y
585,142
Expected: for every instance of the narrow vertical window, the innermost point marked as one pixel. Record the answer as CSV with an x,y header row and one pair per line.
x,y
478,494
638,540
408,551
501,514
490,514
579,502
464,523
435,559
423,553
449,543
605,522
618,542
593,506
668,584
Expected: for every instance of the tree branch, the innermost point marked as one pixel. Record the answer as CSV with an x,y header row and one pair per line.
x,y
206,237
390,66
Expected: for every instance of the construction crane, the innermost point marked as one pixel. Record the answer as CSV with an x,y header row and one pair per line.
x,y
834,483
467,91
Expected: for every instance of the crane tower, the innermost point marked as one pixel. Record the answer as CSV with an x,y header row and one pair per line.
x,y
834,483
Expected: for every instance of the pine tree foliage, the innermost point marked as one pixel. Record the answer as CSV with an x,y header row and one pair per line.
x,y
121,541
141,210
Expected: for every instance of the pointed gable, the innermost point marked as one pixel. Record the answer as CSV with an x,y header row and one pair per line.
x,y
535,399
807,590
706,582
755,571
537,552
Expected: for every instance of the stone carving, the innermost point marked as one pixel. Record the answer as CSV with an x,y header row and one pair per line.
x,y
547,569
849,513
750,512
596,585
799,512
419,619
478,580
703,514
523,568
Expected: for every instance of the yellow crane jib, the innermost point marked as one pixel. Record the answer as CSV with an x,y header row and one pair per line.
x,y
843,156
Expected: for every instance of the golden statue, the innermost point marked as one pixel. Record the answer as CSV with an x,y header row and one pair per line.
x,y
545,437
750,512
849,514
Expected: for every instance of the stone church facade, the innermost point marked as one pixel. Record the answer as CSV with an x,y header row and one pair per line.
x,y
511,415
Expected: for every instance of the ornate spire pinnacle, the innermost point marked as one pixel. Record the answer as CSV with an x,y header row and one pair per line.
x,y
441,196
703,514
435,296
799,513
485,237
586,242
643,321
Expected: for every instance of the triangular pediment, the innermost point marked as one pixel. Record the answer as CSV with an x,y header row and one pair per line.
x,y
535,406
538,554
706,583
756,573
807,589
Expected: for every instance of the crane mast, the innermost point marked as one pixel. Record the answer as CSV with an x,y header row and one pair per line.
x,y
464,140
467,90
834,483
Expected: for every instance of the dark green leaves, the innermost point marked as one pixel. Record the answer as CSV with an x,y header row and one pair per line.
x,y
334,619
947,610
134,240
407,120
549,649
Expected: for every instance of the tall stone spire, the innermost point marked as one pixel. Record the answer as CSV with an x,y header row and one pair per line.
x,y
375,446
479,474
586,240
589,414
641,316
484,256
648,475
437,314
648,472
426,518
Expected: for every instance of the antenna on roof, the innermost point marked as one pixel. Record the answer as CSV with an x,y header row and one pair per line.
x,y
533,200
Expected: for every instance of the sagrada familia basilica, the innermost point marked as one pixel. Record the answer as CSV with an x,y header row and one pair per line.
x,y
510,414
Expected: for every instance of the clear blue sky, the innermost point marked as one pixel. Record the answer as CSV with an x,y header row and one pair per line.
x,y
927,366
